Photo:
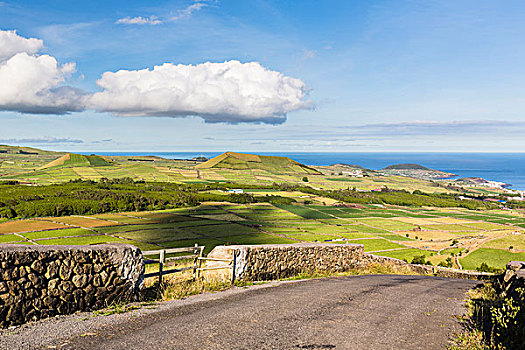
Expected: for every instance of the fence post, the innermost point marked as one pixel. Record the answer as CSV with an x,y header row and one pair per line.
x,y
161,265
195,261
234,262
201,254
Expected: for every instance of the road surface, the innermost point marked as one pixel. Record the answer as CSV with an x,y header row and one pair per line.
x,y
357,312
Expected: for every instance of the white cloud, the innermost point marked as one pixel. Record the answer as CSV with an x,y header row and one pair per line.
x,y
230,92
11,44
218,92
32,84
309,54
41,140
153,20
139,20
188,11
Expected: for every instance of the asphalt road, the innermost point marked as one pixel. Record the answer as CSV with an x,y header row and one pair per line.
x,y
358,312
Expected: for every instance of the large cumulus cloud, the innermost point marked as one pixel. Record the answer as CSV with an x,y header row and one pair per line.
x,y
229,92
218,92
32,83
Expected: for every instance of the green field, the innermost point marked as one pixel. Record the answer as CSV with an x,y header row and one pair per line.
x,y
405,254
493,257
517,241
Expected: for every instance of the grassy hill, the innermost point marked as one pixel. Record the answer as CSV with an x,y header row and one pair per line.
x,y
243,161
5,149
77,160
406,167
416,171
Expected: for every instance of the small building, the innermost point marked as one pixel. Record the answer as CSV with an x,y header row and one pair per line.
x,y
236,190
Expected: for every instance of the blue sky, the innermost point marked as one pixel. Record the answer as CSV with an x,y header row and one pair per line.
x,y
359,75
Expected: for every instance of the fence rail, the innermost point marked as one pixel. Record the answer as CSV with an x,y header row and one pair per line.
x,y
197,252
231,265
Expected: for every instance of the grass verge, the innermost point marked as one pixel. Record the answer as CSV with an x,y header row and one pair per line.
x,y
495,320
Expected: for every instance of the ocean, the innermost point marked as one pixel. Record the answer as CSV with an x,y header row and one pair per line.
x,y
503,167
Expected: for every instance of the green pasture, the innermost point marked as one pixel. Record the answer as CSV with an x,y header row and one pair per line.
x,y
448,227
515,241
377,244
452,251
10,238
94,239
486,226
159,235
258,238
365,229
305,212
58,233
493,257
389,225
310,237
394,237
405,254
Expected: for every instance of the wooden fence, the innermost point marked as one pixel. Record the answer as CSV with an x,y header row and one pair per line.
x,y
197,256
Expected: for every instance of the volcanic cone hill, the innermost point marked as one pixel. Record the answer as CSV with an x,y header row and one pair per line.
x,y
78,160
243,161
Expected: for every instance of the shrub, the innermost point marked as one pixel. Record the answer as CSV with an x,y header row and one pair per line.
x,y
446,263
486,268
420,260
8,213
499,314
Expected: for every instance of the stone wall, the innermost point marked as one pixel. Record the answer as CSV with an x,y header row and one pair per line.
x,y
437,271
269,262
43,281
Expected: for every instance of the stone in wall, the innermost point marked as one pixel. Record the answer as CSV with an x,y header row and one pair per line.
x,y
512,278
42,281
